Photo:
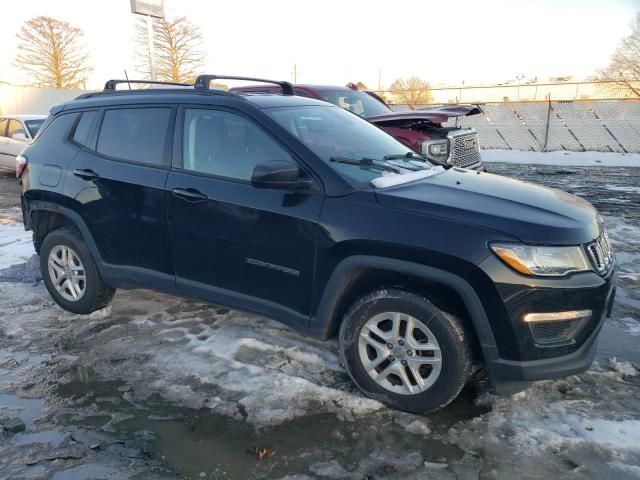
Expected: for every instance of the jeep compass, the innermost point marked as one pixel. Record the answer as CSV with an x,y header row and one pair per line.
x,y
301,211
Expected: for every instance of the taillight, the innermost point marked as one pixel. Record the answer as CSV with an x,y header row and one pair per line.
x,y
21,164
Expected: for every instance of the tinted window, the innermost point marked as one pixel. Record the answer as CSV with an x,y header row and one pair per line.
x,y
360,103
34,126
226,144
136,134
3,126
15,127
81,134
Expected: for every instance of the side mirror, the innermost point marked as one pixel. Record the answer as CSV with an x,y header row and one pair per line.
x,y
280,175
19,136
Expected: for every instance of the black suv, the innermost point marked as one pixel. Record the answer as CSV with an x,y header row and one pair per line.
x,y
302,211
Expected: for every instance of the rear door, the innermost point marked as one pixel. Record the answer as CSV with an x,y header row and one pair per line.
x,y
118,179
254,248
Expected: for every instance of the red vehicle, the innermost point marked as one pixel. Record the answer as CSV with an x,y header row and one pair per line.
x,y
422,130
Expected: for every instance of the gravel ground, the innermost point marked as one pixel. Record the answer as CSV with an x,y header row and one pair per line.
x,y
157,387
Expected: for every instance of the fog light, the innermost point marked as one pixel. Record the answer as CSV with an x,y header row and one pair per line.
x,y
557,316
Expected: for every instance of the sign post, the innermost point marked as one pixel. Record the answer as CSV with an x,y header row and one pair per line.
x,y
150,9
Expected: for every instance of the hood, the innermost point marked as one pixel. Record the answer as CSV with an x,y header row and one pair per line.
x,y
528,212
436,115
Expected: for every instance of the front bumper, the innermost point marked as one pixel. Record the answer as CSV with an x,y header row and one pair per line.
x,y
518,357
510,376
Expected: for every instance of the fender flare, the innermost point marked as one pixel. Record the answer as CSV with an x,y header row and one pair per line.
x,y
326,317
75,218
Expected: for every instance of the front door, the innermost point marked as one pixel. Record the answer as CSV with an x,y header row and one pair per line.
x,y
232,242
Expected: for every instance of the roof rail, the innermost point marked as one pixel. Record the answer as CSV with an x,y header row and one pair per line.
x,y
203,81
111,84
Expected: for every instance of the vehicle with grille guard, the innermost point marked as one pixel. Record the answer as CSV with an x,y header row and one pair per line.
x,y
423,130
298,210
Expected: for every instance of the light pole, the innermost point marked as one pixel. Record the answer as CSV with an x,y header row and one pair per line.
x,y
150,9
519,78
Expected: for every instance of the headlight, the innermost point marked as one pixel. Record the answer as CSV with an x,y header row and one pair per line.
x,y
436,149
542,261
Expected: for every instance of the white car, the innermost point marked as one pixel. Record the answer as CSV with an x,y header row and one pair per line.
x,y
16,131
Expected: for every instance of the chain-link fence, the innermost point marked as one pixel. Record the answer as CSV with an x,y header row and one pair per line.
x,y
598,125
534,92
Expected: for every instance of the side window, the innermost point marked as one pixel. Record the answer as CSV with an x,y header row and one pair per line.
x,y
226,144
3,126
81,133
136,134
15,127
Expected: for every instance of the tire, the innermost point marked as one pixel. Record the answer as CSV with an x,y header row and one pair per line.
x,y
88,288
435,333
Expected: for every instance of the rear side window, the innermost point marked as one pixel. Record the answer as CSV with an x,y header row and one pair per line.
x,y
34,126
3,126
135,134
81,134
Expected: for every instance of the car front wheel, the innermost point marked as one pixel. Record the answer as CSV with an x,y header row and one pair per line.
x,y
400,349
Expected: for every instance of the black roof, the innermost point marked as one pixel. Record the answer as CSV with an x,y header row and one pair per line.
x,y
200,92
168,96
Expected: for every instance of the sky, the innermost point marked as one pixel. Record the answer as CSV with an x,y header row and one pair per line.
x,y
334,42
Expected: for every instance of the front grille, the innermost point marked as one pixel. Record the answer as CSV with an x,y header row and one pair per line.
x,y
465,149
600,253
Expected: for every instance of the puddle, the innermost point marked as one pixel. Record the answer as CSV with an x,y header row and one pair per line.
x,y
202,444
614,341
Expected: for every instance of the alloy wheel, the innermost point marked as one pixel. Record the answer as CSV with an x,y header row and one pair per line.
x,y
67,273
400,353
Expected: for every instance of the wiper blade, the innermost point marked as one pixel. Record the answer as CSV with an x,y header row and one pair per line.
x,y
408,156
366,162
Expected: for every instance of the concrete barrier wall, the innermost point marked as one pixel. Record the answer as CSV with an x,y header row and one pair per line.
x,y
31,100
589,125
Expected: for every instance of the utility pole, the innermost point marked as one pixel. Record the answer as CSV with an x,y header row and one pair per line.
x,y
519,78
295,73
380,79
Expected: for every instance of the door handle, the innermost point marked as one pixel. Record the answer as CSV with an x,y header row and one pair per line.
x,y
87,174
189,194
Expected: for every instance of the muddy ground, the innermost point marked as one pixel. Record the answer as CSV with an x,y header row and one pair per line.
x,y
160,387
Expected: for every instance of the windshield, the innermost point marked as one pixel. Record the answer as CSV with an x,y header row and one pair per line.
x,y
34,126
360,103
336,135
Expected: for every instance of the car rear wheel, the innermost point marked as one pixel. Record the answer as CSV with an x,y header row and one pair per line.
x,y
400,349
70,273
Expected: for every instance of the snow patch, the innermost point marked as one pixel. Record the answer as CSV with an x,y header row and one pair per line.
x,y
393,179
625,368
16,245
602,159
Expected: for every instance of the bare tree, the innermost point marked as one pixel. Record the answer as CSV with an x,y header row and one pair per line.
x,y
412,91
624,67
178,50
52,53
359,85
